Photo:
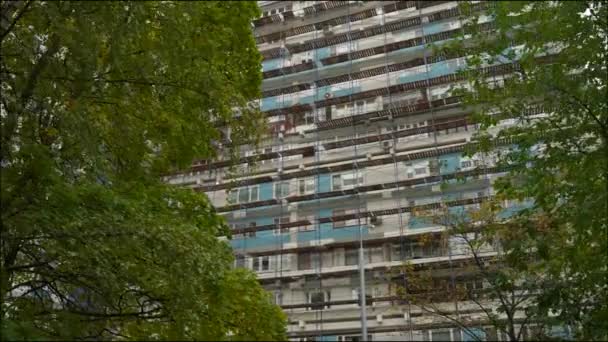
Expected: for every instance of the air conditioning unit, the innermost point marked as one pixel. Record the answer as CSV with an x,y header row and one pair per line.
x,y
387,144
379,319
280,135
302,324
301,167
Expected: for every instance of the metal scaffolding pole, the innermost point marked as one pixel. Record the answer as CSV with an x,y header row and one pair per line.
x,y
362,287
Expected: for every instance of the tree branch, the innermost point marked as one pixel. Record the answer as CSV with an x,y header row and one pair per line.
x,y
8,14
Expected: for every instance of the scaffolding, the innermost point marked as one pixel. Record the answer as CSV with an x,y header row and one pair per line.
x,y
372,167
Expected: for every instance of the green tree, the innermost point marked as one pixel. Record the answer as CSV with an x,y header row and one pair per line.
x,y
559,159
99,100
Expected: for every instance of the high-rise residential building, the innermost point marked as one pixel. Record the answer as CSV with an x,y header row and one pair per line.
x,y
366,143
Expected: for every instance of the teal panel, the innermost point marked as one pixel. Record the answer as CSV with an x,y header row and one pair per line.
x,y
514,209
328,232
264,240
449,163
265,191
420,222
272,64
324,183
325,227
328,338
433,28
473,334
306,99
560,332
344,92
412,78
322,53
442,68
269,103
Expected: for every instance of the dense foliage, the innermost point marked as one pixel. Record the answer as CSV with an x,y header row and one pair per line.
x,y
560,160
99,100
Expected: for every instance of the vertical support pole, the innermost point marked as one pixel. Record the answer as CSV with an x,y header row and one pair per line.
x,y
362,287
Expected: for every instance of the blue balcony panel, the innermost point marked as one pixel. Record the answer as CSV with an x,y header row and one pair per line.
x,y
272,64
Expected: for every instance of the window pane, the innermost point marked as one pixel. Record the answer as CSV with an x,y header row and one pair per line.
x,y
420,170
265,263
456,335
337,182
304,261
240,261
351,257
232,196
441,335
254,193
244,195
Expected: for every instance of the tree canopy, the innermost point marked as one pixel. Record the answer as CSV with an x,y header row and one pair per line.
x,y
99,100
554,110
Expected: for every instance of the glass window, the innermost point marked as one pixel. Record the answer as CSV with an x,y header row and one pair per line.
x,y
351,256
420,170
253,194
336,182
341,223
466,163
243,195
279,221
281,189
240,261
304,261
232,196
256,264
265,263
457,335
319,297
306,186
440,335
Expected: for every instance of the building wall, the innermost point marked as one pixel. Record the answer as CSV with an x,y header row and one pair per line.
x,y
336,174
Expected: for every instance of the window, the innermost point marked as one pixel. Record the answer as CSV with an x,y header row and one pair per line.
x,y
240,261
475,284
308,260
278,298
304,261
281,189
339,224
261,263
243,195
353,338
278,221
346,181
351,256
306,186
319,298
440,335
420,170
